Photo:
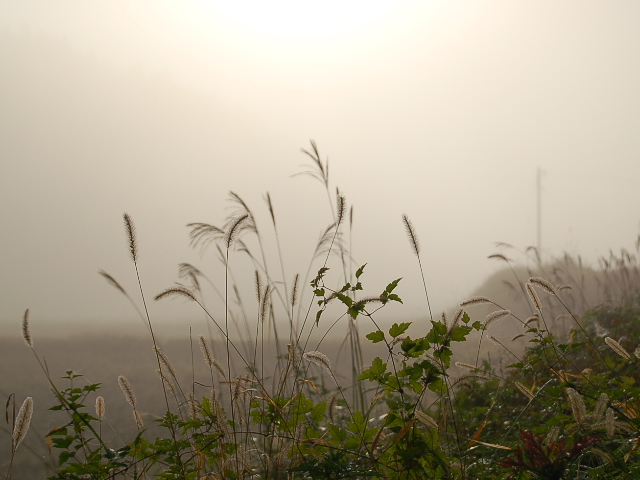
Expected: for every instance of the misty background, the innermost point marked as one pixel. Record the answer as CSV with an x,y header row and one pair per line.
x,y
441,110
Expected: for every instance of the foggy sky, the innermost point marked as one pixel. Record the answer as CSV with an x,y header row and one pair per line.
x,y
440,110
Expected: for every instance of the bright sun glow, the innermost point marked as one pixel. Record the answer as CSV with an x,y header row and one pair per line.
x,y
302,18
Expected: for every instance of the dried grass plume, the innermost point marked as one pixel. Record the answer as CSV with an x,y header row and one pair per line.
x,y
26,333
23,420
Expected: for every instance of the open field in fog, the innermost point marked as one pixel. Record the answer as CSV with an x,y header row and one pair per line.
x,y
103,357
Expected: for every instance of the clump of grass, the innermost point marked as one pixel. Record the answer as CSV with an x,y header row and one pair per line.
x,y
567,407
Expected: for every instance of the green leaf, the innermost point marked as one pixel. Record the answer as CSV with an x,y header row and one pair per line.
x,y
63,443
414,348
360,270
459,333
378,366
392,286
376,337
337,433
397,330
318,411
355,310
348,301
358,423
64,456
394,298
375,372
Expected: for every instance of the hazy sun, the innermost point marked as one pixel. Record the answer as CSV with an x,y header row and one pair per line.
x,y
303,18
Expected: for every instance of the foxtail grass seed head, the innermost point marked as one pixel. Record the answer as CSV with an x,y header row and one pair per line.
x,y
23,420
131,236
100,407
258,282
341,207
164,361
294,291
467,380
468,366
114,283
209,358
293,354
475,301
602,454
552,436
138,418
498,256
533,318
495,316
165,380
125,386
26,333
456,319
616,347
577,406
610,423
192,403
546,285
206,351
533,296
525,390
180,291
411,233
319,359
234,229
265,303
270,205
426,419
603,403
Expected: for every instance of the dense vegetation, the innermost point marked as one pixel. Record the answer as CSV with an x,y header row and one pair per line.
x,y
566,405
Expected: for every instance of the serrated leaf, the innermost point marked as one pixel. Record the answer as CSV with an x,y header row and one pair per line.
x,y
360,270
392,286
394,298
355,310
373,373
459,333
376,337
348,301
397,330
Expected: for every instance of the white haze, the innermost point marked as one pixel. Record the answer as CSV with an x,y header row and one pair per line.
x,y
440,110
